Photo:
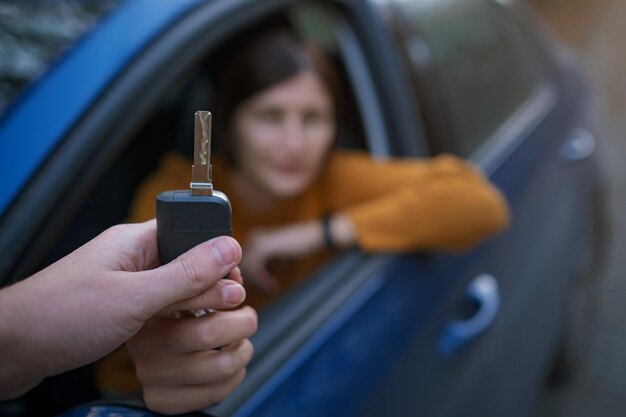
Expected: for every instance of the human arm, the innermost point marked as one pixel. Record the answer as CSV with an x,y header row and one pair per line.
x,y
440,203
95,299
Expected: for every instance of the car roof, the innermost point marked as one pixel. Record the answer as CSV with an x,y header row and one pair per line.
x,y
34,125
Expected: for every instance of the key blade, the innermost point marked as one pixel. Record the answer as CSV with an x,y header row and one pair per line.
x,y
201,182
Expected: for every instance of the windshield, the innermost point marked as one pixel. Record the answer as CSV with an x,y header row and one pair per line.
x,y
34,33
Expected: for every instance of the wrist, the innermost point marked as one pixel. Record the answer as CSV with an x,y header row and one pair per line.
x,y
18,370
339,232
316,236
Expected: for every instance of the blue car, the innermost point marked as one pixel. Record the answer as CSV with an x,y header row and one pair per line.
x,y
89,110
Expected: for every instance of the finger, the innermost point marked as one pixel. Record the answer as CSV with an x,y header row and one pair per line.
x,y
198,368
189,275
224,294
199,333
183,399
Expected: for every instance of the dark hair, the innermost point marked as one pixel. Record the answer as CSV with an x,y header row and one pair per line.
x,y
258,62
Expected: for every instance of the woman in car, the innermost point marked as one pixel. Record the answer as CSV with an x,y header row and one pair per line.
x,y
297,199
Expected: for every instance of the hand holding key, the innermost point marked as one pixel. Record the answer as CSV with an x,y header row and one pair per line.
x,y
96,298
186,360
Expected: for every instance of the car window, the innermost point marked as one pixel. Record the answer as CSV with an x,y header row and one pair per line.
x,y
33,33
472,68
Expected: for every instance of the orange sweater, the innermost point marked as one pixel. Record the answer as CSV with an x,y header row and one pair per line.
x,y
396,205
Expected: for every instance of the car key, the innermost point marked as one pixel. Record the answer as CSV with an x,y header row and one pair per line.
x,y
186,218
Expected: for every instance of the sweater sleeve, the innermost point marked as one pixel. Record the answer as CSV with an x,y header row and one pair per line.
x,y
403,205
172,174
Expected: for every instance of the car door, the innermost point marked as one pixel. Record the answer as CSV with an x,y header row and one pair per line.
x,y
494,93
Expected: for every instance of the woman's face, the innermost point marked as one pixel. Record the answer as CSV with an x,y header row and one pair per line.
x,y
283,134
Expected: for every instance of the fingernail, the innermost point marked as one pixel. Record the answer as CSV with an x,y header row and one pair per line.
x,y
233,294
224,250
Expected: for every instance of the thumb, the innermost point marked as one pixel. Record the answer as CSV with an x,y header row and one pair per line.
x,y
190,274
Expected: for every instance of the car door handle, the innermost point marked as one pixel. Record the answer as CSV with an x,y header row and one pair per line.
x,y
579,145
457,333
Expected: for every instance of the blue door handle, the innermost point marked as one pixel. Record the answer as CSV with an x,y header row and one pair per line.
x,y
457,333
580,144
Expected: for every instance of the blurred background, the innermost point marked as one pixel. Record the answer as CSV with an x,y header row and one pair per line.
x,y
596,30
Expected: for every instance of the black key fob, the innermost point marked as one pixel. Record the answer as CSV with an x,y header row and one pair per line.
x,y
186,218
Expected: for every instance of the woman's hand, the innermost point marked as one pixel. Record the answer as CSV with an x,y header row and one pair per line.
x,y
292,241
263,245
